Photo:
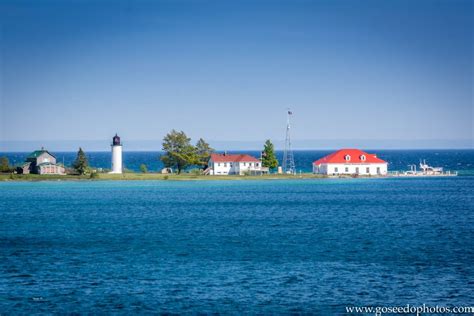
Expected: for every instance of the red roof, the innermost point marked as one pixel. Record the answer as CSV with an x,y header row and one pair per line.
x,y
233,158
349,156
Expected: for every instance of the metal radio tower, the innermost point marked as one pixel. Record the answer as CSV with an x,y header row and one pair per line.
x,y
288,164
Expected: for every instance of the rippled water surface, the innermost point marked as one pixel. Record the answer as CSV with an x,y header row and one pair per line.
x,y
235,246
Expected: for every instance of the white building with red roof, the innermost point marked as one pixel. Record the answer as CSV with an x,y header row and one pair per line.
x,y
350,162
225,164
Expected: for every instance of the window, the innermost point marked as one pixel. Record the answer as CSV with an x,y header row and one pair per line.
x,y
347,158
256,164
378,170
336,170
230,164
225,164
347,169
218,164
357,170
362,157
244,163
368,170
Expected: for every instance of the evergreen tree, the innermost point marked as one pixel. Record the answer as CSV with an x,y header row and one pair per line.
x,y
5,164
268,156
203,152
81,164
143,168
179,153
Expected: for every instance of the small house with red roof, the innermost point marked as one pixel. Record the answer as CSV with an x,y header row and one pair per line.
x,y
350,162
238,164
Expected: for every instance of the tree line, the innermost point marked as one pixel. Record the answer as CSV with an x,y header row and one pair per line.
x,y
180,153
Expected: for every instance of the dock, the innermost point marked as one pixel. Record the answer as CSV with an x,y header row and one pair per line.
x,y
421,174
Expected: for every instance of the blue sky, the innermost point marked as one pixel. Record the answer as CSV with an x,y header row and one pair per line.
x,y
354,72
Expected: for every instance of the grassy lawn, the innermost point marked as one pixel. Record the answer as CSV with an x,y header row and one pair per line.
x,y
150,176
188,176
37,177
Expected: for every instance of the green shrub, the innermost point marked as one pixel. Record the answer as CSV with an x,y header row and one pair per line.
x,y
195,172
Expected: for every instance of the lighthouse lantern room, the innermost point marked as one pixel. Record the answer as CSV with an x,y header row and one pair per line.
x,y
116,155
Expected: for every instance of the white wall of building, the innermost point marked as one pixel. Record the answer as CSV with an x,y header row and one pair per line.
x,y
242,167
349,169
116,159
221,168
225,168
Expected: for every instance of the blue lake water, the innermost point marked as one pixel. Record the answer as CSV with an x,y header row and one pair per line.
x,y
274,246
454,160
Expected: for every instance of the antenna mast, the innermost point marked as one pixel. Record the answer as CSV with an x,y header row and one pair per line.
x,y
288,164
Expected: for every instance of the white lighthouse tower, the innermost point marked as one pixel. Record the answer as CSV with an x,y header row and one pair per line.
x,y
116,155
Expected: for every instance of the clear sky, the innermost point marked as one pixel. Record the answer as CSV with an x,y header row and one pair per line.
x,y
381,71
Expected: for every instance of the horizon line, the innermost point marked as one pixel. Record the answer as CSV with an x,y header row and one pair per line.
x,y
298,144
236,150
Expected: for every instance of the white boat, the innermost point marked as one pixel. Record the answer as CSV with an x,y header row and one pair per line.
x,y
426,170
429,170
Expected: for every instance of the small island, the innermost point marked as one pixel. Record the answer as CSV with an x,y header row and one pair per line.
x,y
152,176
184,161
